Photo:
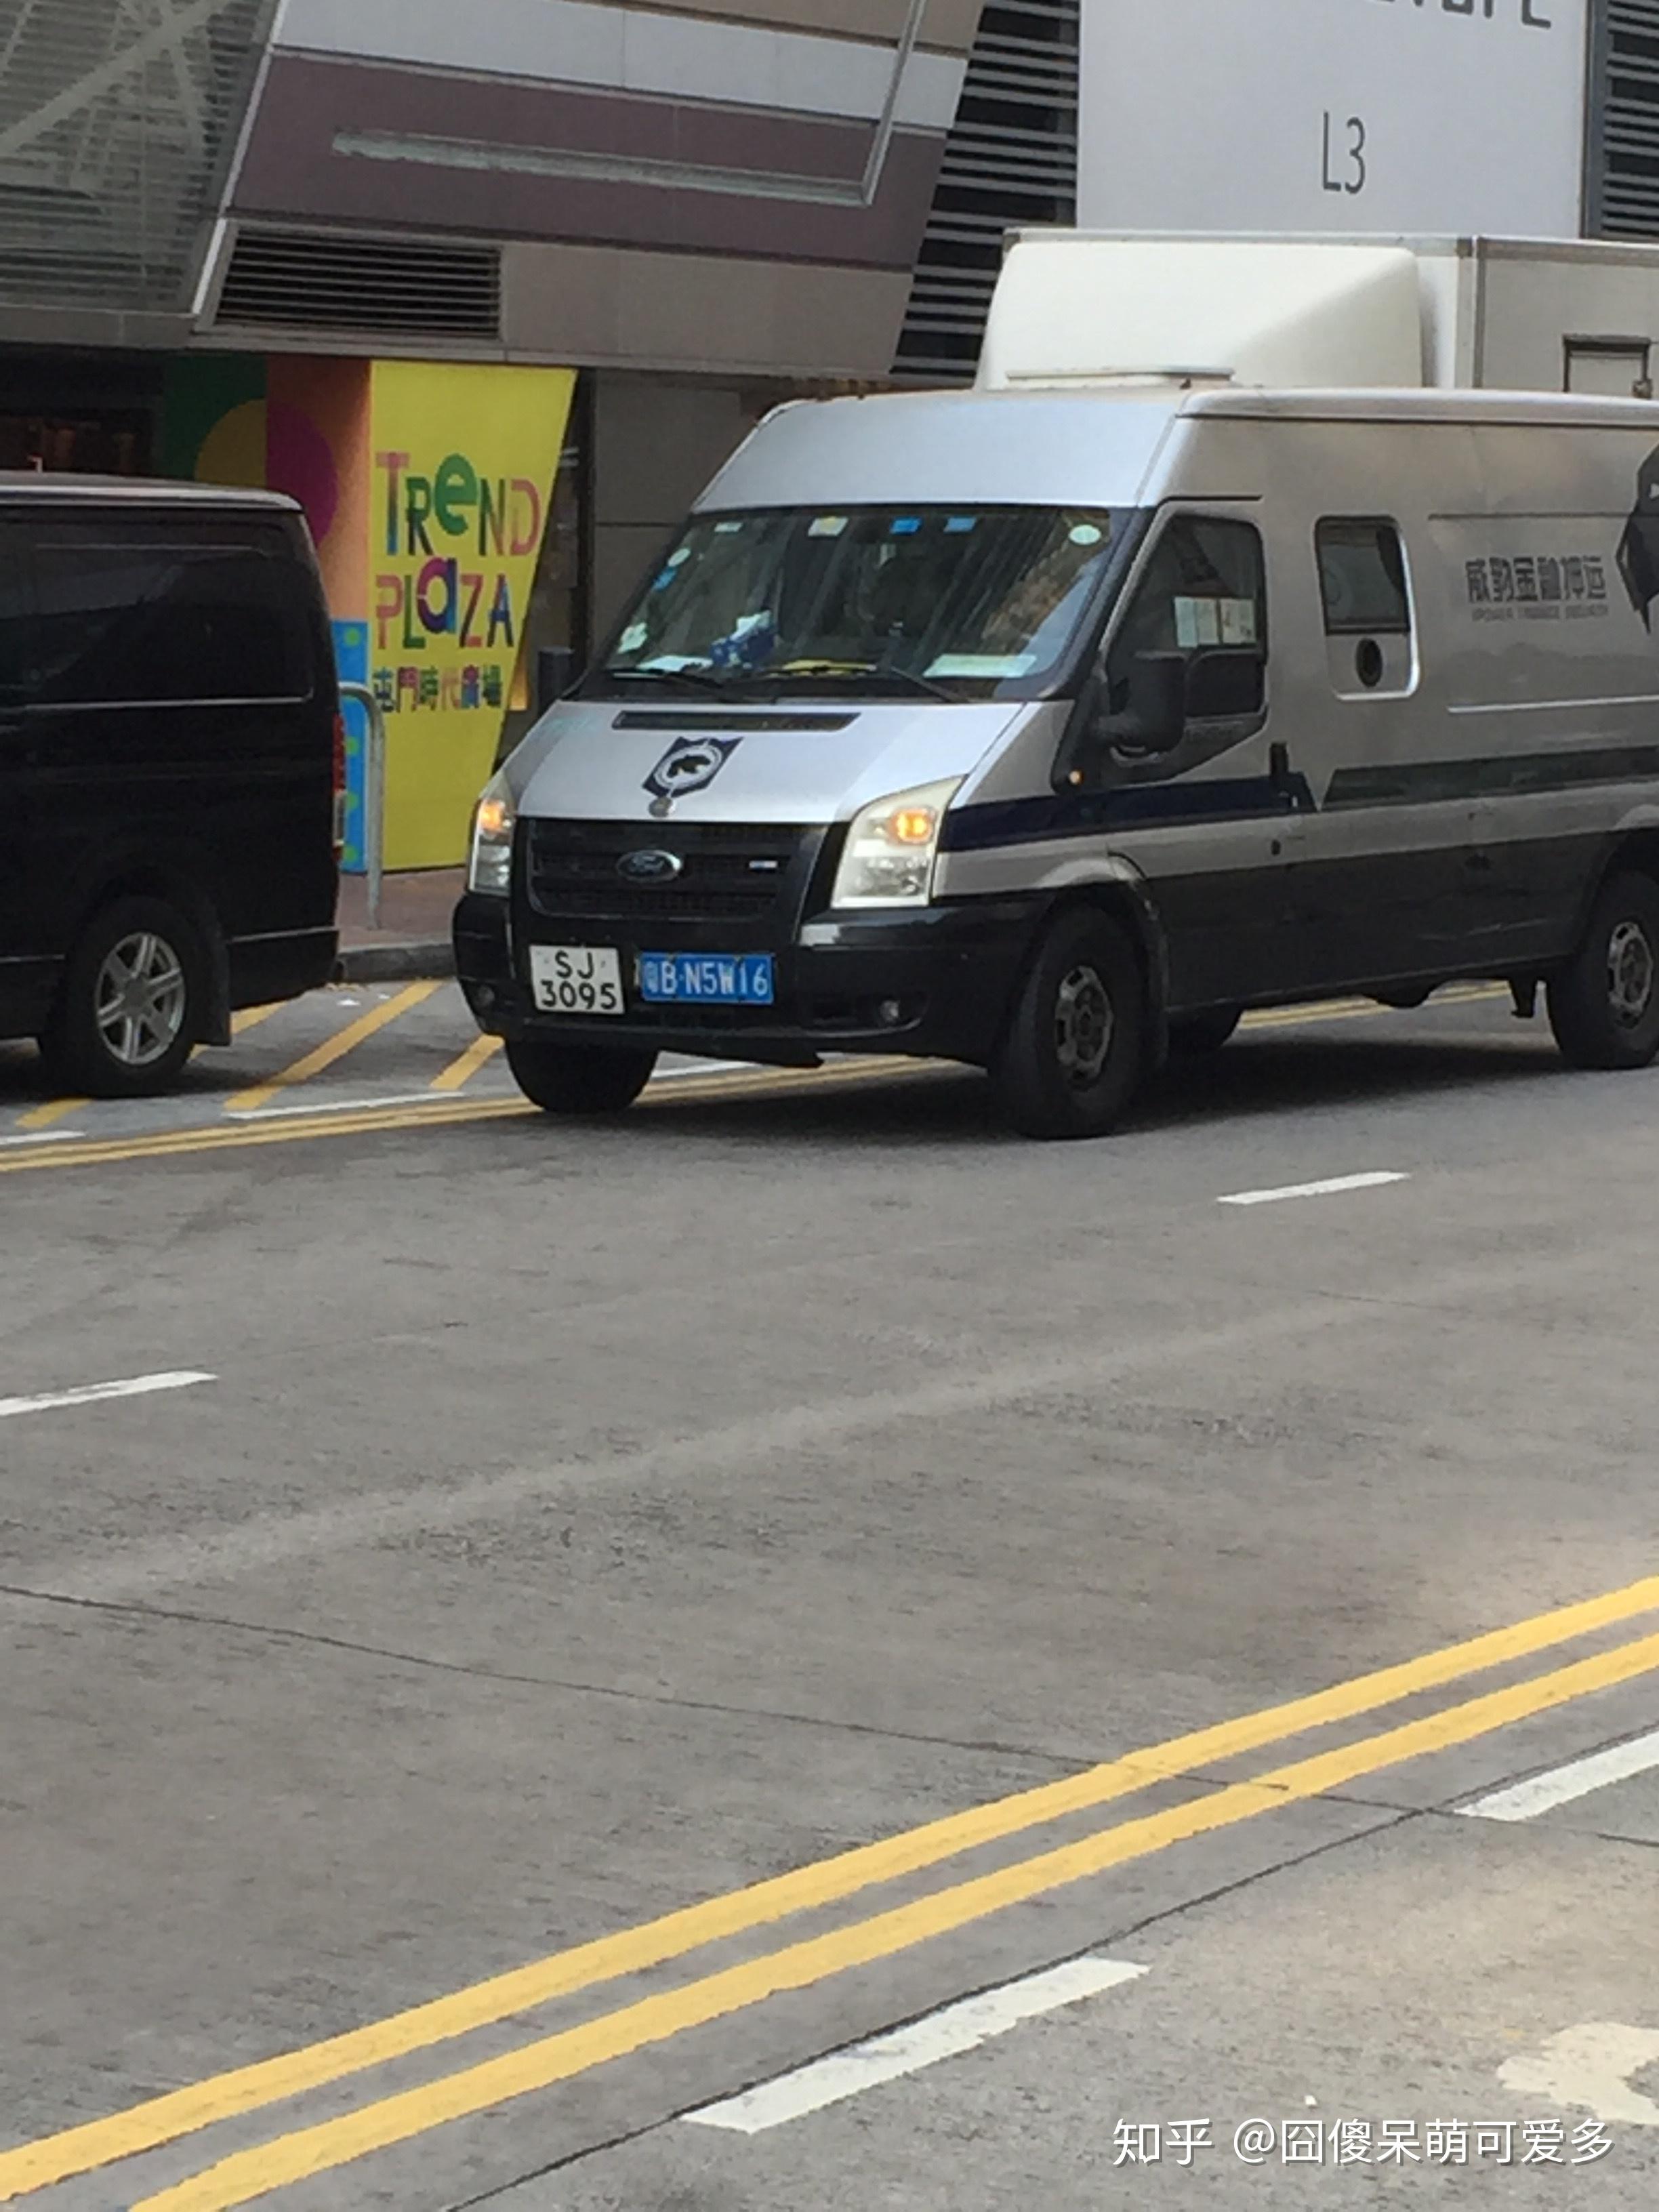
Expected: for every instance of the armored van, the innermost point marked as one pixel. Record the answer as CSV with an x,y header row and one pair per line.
x,y
1049,730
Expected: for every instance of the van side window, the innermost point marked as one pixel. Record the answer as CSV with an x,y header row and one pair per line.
x,y
1202,594
16,616
1366,595
1362,579
126,619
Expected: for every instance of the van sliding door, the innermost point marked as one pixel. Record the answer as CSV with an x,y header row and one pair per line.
x,y
26,946
1382,891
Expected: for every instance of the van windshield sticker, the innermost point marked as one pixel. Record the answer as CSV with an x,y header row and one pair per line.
x,y
905,525
958,526
1085,533
728,529
827,525
634,637
999,666
1200,623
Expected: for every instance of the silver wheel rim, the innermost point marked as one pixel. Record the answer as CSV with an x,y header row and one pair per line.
x,y
1631,973
1084,1024
138,1001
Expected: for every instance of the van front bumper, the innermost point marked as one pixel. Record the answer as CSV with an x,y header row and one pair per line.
x,y
933,983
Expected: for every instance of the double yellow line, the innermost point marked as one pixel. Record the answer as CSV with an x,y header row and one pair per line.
x,y
321,2148
440,1113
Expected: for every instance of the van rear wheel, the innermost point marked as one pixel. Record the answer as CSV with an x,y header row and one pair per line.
x,y
1604,1006
575,1078
1075,1046
128,1013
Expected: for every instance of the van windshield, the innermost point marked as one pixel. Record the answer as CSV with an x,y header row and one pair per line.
x,y
957,602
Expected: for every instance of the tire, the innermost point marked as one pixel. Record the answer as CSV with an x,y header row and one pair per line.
x,y
1191,1035
1075,1047
1604,1005
579,1078
129,1010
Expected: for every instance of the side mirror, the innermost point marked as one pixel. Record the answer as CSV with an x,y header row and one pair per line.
x,y
1153,719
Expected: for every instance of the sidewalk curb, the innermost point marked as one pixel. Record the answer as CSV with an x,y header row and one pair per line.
x,y
396,963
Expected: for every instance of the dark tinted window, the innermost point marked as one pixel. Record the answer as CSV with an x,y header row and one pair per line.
x,y
1361,577
16,614
127,617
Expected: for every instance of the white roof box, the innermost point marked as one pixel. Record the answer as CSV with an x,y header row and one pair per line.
x,y
1075,309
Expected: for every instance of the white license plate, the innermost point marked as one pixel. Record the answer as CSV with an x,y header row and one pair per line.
x,y
577,979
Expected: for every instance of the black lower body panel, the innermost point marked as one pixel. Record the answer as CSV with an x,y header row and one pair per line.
x,y
933,984
28,989
265,969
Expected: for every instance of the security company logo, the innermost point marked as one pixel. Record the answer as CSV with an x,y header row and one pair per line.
x,y
689,764
1541,586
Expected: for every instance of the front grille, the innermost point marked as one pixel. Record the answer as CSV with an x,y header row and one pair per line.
x,y
729,871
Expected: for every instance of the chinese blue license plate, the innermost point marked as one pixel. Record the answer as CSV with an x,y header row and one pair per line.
x,y
706,979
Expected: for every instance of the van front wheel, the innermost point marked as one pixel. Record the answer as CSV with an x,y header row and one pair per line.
x,y
1075,1045
573,1078
129,1010
1604,1006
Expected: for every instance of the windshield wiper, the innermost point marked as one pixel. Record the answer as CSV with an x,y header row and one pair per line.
x,y
863,671
700,679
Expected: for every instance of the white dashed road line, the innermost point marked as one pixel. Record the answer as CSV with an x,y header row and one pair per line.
x,y
944,2034
1328,1188
90,1393
1561,1785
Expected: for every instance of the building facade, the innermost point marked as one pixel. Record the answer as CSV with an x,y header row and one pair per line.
x,y
494,288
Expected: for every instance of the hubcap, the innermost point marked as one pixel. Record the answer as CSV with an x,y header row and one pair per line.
x,y
139,1001
1631,973
1084,1023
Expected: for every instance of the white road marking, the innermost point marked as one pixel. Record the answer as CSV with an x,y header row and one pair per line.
x,y
89,1394
944,2034
335,1106
361,1105
43,1137
1525,1801
1328,1188
1591,2066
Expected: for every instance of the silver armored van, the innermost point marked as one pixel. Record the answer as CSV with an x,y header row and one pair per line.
x,y
1047,730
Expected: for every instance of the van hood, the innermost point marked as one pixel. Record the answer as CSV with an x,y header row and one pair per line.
x,y
809,761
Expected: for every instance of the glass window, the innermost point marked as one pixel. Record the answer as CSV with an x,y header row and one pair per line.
x,y
16,614
1362,579
128,621
964,602
1203,595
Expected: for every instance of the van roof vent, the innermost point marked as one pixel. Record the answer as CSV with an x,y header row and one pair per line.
x,y
304,280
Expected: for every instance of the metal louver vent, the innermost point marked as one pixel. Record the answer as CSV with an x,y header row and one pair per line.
x,y
117,119
301,280
1011,159
1622,197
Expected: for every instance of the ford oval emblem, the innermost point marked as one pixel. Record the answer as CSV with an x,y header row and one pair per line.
x,y
649,866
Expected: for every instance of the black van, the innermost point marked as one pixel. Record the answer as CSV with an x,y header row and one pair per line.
x,y
171,770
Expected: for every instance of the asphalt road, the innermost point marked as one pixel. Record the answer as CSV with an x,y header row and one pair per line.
x,y
583,1625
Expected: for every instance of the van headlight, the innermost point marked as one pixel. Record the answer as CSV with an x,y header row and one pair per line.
x,y
891,847
494,820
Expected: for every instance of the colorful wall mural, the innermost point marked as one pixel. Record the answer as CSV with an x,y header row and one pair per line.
x,y
428,486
